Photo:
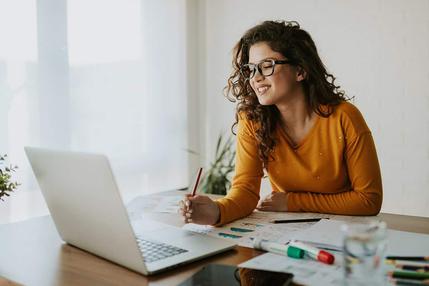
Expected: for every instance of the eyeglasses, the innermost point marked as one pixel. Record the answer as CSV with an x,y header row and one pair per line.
x,y
265,68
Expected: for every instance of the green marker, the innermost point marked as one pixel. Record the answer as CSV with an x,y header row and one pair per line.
x,y
238,229
229,235
278,248
409,275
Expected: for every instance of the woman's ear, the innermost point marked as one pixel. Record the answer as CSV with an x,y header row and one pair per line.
x,y
301,74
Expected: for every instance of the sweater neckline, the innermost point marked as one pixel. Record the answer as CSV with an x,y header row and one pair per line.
x,y
304,140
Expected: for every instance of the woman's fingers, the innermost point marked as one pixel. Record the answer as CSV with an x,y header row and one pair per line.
x,y
185,204
266,208
187,217
265,204
181,204
185,210
267,199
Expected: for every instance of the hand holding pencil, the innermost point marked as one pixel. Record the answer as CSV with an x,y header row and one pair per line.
x,y
197,208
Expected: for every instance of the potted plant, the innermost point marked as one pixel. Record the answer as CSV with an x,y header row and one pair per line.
x,y
6,185
217,179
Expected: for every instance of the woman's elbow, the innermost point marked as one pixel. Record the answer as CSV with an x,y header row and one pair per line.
x,y
372,203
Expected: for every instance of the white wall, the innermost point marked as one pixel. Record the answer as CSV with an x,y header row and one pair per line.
x,y
378,50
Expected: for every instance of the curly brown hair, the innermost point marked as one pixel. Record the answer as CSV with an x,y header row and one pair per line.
x,y
287,38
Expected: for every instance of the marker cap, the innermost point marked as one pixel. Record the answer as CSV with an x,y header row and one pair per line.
x,y
325,257
295,252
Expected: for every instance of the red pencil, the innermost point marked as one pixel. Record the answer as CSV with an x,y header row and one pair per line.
x,y
200,170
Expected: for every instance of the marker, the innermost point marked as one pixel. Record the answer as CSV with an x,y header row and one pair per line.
x,y
194,191
228,235
411,258
408,282
238,229
278,248
313,252
418,268
409,275
250,223
297,220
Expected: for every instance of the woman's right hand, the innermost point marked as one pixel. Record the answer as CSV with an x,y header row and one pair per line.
x,y
199,209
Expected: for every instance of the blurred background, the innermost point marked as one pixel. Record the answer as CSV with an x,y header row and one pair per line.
x,y
142,82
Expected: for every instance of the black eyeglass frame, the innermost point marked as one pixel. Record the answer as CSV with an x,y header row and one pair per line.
x,y
254,67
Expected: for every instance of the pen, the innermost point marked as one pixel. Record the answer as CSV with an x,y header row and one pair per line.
x,y
278,248
296,220
411,258
194,191
409,275
313,252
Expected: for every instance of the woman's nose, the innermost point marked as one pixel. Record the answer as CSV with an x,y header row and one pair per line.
x,y
258,76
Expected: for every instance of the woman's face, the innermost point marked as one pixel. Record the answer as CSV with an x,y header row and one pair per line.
x,y
277,88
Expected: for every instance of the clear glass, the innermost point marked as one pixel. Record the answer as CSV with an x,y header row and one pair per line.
x,y
364,248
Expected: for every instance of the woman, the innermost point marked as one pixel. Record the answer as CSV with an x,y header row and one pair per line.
x,y
294,123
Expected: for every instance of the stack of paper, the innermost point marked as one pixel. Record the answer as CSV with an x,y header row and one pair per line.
x,y
306,271
399,243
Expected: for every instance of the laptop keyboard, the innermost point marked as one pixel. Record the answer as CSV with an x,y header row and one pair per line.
x,y
154,251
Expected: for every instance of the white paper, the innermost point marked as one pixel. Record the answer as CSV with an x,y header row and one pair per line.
x,y
399,243
325,231
168,204
306,271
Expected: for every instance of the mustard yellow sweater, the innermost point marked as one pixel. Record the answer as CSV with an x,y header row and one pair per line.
x,y
333,170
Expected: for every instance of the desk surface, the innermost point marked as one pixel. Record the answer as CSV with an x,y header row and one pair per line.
x,y
32,253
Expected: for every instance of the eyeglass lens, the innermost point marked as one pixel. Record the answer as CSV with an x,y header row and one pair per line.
x,y
265,68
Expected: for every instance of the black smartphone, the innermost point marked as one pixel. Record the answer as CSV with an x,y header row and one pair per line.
x,y
226,275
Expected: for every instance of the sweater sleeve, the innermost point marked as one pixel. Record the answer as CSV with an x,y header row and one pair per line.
x,y
243,196
365,195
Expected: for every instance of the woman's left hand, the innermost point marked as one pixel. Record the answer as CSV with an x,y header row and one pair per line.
x,y
274,202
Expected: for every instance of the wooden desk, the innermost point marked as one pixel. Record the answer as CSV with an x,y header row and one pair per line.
x,y
32,253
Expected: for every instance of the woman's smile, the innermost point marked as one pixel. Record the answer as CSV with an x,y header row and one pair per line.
x,y
262,89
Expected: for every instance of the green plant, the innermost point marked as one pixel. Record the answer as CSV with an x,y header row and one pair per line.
x,y
6,186
216,179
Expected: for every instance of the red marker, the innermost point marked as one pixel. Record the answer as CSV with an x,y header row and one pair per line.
x,y
314,252
194,191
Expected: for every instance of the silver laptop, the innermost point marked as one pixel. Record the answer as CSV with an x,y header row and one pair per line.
x,y
87,208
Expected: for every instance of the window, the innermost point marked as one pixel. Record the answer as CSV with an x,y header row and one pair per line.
x,y
97,76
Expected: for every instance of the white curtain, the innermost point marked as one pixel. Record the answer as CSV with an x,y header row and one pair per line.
x,y
95,76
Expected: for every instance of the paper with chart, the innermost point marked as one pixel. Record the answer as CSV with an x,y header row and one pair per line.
x,y
256,225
